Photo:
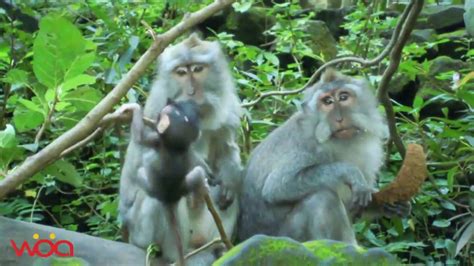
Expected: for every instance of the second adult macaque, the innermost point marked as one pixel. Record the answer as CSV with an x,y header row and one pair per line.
x,y
311,175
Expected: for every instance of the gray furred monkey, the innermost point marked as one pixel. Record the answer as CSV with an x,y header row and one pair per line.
x,y
311,175
166,172
194,70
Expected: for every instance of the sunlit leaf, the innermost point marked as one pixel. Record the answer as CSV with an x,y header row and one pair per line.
x,y
65,172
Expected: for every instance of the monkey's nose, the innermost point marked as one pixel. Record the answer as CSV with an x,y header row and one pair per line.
x,y
339,119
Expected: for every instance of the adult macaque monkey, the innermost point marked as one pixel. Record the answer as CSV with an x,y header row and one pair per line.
x,y
193,70
165,172
309,177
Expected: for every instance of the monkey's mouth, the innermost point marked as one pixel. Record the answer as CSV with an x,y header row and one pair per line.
x,y
346,133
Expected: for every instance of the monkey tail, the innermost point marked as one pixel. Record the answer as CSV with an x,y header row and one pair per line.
x,y
173,220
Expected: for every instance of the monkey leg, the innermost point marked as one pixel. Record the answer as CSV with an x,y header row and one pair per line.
x,y
173,219
319,216
195,180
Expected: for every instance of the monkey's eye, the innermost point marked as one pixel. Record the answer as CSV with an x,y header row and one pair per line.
x,y
343,96
197,68
327,100
181,71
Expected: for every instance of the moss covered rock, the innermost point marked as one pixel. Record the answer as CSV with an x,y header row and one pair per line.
x,y
267,250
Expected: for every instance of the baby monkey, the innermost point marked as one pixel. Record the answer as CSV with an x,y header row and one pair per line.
x,y
167,171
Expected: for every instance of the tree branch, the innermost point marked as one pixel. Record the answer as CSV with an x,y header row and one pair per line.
x,y
395,57
88,124
362,61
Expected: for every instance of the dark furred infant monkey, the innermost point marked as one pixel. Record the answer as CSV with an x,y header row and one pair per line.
x,y
166,172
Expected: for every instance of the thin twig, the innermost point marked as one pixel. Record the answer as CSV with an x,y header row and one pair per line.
x,y
150,30
35,201
203,247
45,209
218,221
47,120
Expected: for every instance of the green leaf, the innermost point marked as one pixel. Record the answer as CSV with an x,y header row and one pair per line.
x,y
242,6
466,236
448,205
30,105
83,99
8,138
467,97
65,172
418,102
451,247
16,76
450,177
9,149
60,52
77,81
26,119
272,58
442,223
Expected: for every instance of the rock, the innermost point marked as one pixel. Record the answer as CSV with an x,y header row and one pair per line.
x,y
445,63
423,35
334,18
322,42
438,66
88,250
445,18
456,45
248,27
398,83
325,4
469,17
267,250
402,89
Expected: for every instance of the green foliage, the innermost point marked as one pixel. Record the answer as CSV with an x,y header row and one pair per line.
x,y
51,78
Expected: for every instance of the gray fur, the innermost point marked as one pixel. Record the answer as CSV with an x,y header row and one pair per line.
x,y
142,215
302,183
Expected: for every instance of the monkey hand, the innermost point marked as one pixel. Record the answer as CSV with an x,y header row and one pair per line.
x,y
127,108
225,197
361,195
195,180
397,209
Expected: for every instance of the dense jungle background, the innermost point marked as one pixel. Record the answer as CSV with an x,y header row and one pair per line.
x,y
272,46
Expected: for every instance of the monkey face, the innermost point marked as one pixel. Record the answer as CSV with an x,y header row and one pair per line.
x,y
338,104
190,78
343,108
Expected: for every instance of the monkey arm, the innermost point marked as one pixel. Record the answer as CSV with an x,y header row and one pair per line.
x,y
227,165
141,134
286,184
